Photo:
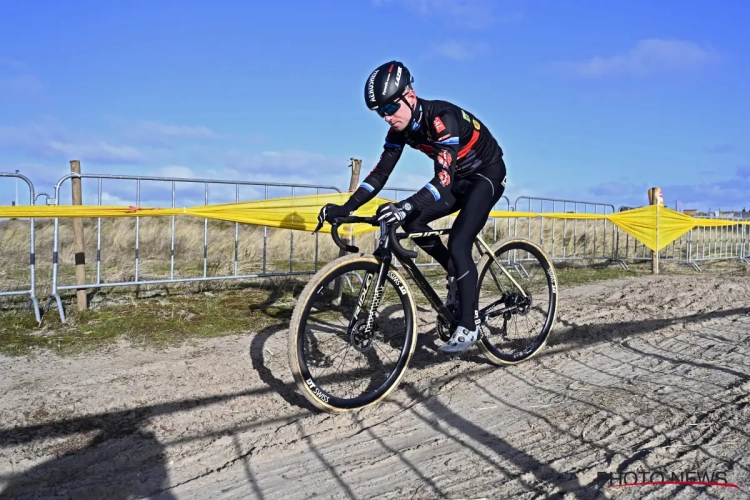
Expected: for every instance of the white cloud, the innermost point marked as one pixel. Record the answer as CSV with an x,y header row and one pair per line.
x,y
514,190
722,148
289,166
112,199
278,167
50,139
97,151
649,57
458,51
12,63
475,14
176,171
16,80
158,133
21,86
725,190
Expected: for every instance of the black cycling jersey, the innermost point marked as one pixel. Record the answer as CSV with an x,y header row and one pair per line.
x,y
458,142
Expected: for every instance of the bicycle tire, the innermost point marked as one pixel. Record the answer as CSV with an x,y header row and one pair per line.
x,y
494,355
295,343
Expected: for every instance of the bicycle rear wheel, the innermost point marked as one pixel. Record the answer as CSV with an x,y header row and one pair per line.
x,y
336,365
518,299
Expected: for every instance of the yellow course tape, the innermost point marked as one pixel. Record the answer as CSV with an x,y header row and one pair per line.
x,y
653,225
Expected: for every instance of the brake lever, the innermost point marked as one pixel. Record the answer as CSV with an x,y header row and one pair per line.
x,y
395,241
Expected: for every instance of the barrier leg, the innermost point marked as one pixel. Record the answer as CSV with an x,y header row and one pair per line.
x,y
35,304
58,303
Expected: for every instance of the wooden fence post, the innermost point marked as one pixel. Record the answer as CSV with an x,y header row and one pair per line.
x,y
655,198
356,166
80,255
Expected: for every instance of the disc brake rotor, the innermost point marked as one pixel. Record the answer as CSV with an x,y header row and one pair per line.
x,y
521,303
359,339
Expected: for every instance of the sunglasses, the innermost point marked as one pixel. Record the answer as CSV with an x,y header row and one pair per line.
x,y
388,109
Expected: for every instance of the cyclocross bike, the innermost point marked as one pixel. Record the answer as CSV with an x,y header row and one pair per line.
x,y
350,350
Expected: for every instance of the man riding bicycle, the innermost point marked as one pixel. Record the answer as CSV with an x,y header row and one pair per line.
x,y
469,177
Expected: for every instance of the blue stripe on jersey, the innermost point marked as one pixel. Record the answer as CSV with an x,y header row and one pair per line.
x,y
449,140
390,144
434,191
367,187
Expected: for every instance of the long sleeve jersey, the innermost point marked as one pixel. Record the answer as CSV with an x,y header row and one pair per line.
x,y
458,143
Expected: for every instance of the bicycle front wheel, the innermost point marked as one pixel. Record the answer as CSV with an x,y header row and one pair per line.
x,y
343,358
517,296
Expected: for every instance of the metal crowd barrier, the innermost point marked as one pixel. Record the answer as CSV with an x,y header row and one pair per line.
x,y
502,205
30,289
701,244
172,182
711,244
564,240
568,240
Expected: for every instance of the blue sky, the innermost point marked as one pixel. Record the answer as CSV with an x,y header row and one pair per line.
x,y
594,101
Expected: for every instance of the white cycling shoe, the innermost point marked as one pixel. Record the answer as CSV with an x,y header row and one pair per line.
x,y
460,340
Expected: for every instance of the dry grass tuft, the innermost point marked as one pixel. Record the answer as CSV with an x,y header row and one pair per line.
x,y
562,239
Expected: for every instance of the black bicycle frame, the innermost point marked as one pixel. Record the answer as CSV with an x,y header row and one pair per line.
x,y
418,277
427,289
388,247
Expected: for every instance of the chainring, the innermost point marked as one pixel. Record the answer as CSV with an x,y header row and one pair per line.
x,y
444,331
443,328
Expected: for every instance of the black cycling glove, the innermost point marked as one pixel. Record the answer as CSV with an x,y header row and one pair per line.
x,y
394,212
329,212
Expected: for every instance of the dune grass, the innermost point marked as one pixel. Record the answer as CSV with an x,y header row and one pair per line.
x,y
168,314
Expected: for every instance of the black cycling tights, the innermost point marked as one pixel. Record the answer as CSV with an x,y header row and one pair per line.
x,y
474,196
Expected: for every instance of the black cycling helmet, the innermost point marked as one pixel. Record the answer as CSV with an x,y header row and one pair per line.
x,y
386,84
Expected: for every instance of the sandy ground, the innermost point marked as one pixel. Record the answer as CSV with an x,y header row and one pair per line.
x,y
649,374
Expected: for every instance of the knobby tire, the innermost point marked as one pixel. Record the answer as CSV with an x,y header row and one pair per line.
x,y
305,383
514,243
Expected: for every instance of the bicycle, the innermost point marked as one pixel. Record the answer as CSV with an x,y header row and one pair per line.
x,y
324,294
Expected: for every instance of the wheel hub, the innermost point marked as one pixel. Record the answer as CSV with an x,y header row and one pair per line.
x,y
359,338
522,304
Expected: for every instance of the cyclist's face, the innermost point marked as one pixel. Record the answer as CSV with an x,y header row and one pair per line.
x,y
400,119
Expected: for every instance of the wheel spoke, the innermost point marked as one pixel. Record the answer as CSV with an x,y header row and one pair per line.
x,y
340,365
522,329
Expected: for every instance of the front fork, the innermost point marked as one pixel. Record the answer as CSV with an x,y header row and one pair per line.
x,y
384,257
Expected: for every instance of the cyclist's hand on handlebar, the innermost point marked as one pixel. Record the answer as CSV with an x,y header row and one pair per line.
x,y
330,212
393,212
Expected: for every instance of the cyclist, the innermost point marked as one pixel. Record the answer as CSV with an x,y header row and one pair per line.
x,y
469,177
